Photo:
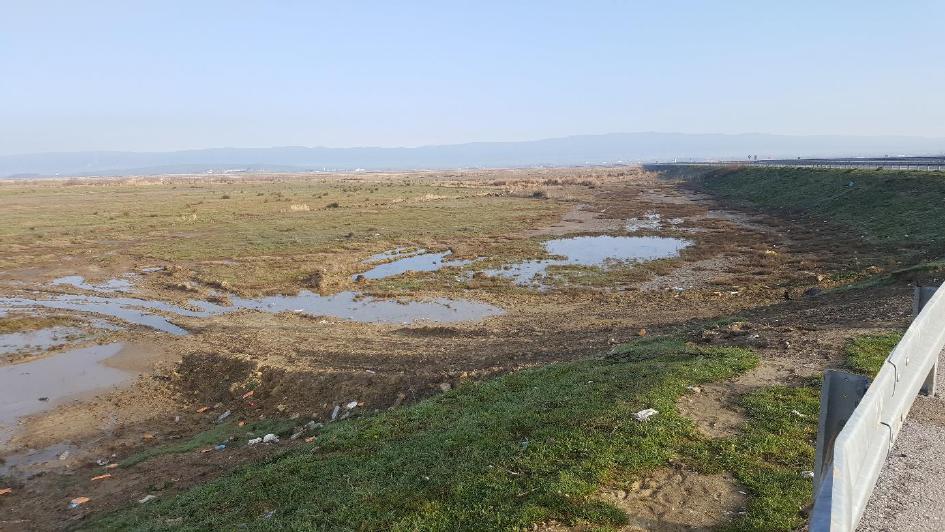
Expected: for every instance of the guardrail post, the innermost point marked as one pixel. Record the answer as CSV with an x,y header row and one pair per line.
x,y
840,394
922,296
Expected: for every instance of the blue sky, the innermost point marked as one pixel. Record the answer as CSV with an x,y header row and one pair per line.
x,y
172,74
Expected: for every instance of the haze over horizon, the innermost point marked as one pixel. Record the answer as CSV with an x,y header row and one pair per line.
x,y
174,75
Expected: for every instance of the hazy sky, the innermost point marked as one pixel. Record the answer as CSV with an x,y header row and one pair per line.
x,y
191,74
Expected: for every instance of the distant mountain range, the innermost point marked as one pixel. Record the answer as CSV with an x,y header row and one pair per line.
x,y
576,150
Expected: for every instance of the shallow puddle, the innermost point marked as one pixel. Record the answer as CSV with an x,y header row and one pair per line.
x,y
33,387
352,306
111,285
40,339
26,463
346,305
416,261
649,221
599,251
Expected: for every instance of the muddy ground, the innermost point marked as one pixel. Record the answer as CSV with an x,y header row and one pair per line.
x,y
773,279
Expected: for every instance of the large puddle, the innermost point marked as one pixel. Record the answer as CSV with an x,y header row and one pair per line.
x,y
599,251
33,387
409,261
346,305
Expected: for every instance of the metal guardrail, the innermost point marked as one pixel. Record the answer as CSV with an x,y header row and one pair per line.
x,y
849,461
928,164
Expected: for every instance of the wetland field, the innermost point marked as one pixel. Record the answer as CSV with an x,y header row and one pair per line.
x,y
151,328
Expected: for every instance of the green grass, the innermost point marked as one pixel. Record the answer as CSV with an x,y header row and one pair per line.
x,y
208,438
769,456
866,354
275,229
503,454
898,209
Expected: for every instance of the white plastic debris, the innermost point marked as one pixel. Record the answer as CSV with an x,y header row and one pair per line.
x,y
254,441
644,415
351,405
147,499
807,474
334,413
223,416
64,455
270,438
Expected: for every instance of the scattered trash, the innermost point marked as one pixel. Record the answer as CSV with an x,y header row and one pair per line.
x,y
102,477
295,435
101,461
6,491
64,455
270,438
203,409
694,389
43,398
254,441
807,474
312,425
78,501
351,405
241,423
282,408
269,514
310,439
445,386
147,499
176,419
334,413
248,394
798,414
111,466
223,416
641,332
644,415
219,447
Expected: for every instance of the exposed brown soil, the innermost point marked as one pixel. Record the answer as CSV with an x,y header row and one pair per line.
x,y
670,500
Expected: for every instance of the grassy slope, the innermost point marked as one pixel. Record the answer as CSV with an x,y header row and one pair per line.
x,y
896,209
524,448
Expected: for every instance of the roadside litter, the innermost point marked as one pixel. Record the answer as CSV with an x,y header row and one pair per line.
x,y
147,499
270,438
78,501
203,409
223,416
644,415
6,491
102,477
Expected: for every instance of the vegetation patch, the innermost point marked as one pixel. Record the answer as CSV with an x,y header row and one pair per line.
x,y
897,209
866,354
769,457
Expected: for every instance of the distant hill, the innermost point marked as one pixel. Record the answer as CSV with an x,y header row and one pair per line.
x,y
575,150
